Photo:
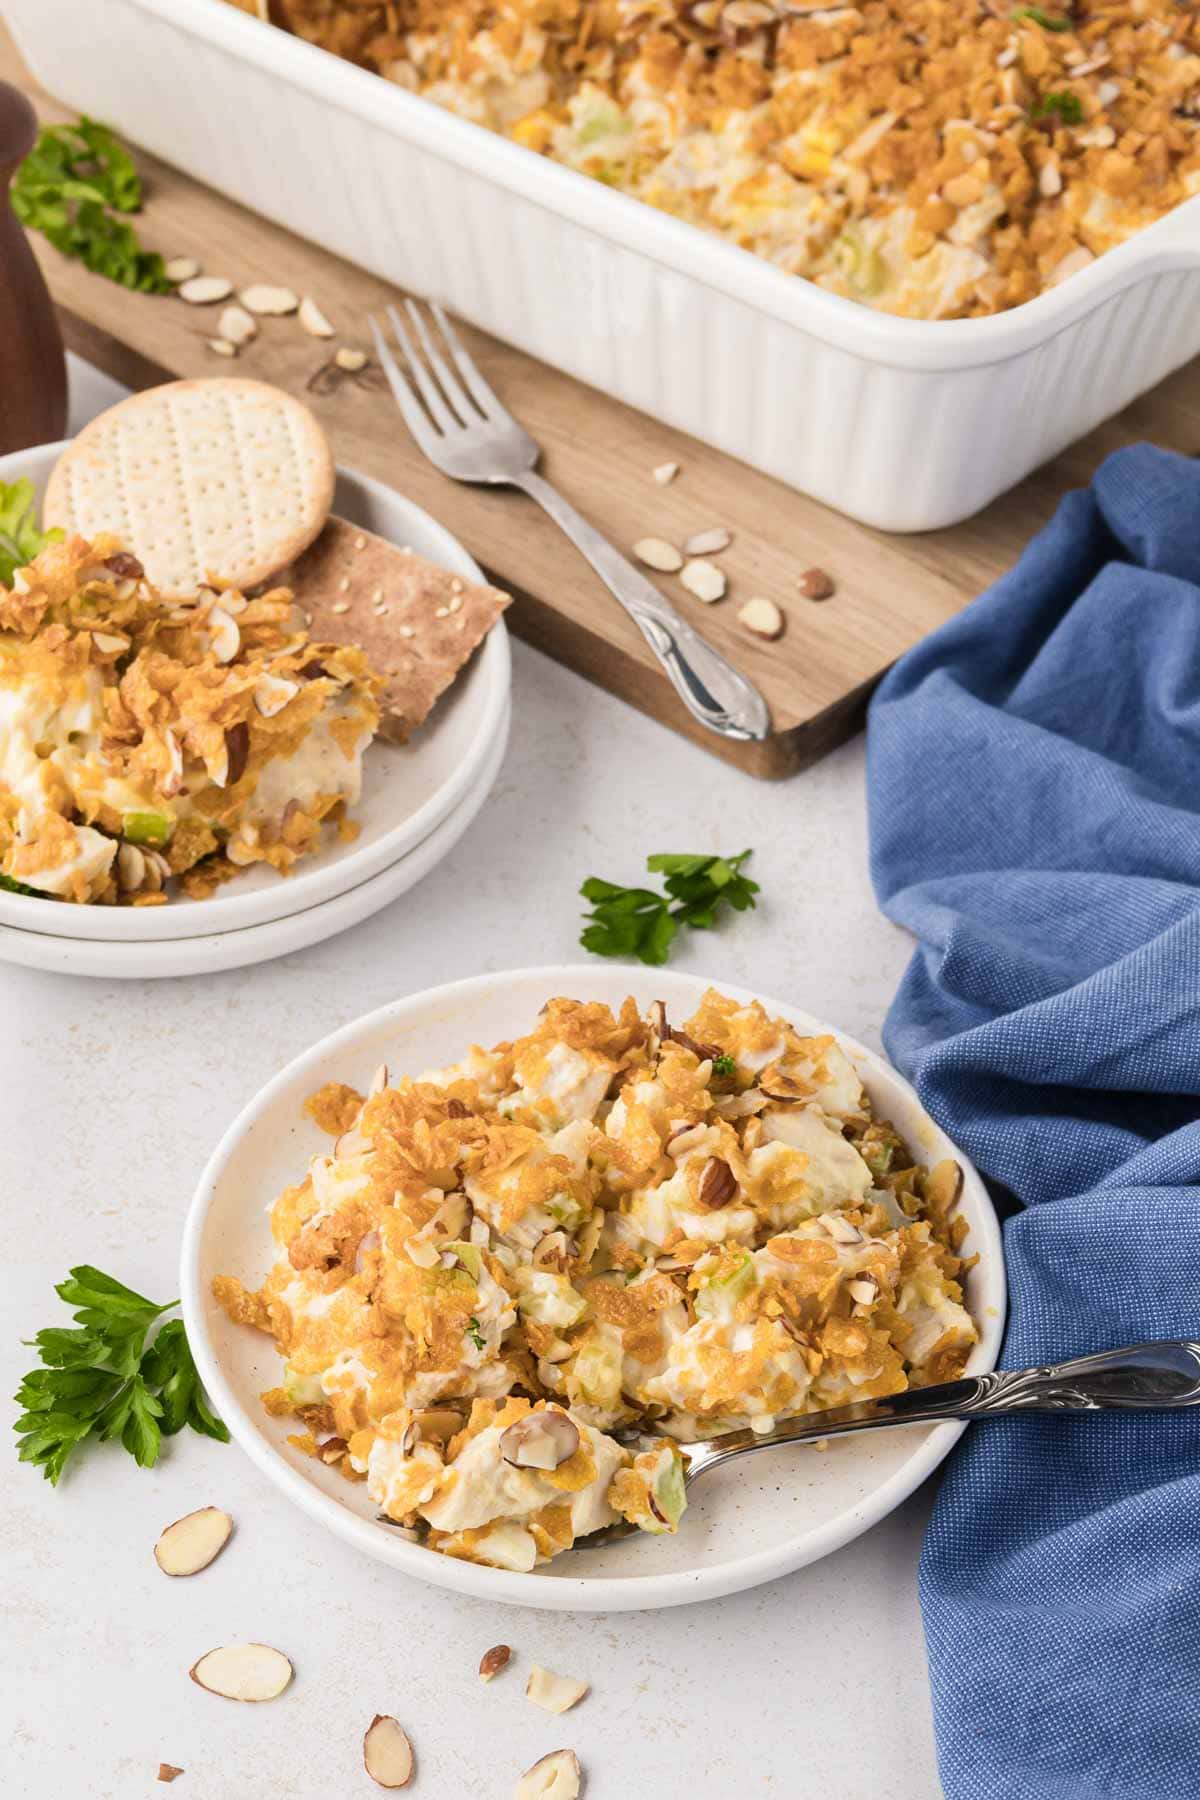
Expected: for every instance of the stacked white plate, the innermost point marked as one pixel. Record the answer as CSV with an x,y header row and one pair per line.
x,y
417,801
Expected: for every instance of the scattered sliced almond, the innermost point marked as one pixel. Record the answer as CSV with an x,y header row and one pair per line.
x,y
223,635
665,473
272,693
181,268
387,1753
554,1777
541,1440
167,1772
718,1184
197,1539
109,643
237,325
656,553
704,579
863,1290
221,346
553,1693
243,1672
816,584
762,617
204,290
708,543
841,1230
313,319
493,1660
350,360
271,302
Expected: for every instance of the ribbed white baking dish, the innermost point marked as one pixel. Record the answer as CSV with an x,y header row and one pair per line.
x,y
902,423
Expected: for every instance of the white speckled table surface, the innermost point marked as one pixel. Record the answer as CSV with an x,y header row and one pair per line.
x,y
113,1094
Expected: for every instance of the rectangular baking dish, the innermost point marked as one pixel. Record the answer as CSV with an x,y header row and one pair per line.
x,y
904,424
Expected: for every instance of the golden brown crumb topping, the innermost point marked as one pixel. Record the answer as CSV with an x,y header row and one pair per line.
x,y
934,158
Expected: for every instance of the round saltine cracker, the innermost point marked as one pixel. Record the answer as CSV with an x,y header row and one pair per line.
x,y
221,479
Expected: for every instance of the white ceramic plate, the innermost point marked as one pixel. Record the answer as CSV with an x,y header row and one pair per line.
x,y
407,791
757,1519
256,943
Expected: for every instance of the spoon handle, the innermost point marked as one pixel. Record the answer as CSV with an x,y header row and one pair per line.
x,y
1141,1378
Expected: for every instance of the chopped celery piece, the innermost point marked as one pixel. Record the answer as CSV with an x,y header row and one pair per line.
x,y
669,1494
724,1291
549,1299
147,828
12,886
469,1255
302,1390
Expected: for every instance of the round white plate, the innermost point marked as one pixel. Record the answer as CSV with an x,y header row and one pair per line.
x,y
758,1518
256,943
407,790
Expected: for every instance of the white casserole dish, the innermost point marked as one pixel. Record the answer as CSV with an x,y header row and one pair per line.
x,y
904,424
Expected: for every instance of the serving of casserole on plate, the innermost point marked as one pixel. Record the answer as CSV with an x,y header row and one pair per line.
x,y
496,1260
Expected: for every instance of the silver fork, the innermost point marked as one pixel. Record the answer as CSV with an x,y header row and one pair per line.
x,y
465,430
1152,1377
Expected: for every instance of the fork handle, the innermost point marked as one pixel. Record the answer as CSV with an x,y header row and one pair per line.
x,y
714,692
1151,1377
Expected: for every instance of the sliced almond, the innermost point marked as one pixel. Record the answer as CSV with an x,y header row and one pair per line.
x,y
222,347
173,780
708,543
270,301
272,693
686,1140
350,359
656,553
554,1777
224,635
839,1229
541,1440
422,1251
817,584
493,1660
194,1541
863,1289
704,579
131,868
313,319
181,268
666,473
243,1672
204,290
762,617
718,1184
553,1693
236,324
109,643
387,1753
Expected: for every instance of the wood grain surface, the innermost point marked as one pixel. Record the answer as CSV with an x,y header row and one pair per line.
x,y
890,590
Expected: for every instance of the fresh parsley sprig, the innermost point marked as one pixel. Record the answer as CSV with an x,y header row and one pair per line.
x,y
641,923
1061,103
1038,17
102,1380
76,187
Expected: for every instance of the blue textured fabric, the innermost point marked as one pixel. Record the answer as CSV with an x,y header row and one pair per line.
x,y
1034,776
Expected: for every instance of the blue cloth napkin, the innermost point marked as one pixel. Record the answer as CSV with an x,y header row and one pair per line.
x,y
1034,777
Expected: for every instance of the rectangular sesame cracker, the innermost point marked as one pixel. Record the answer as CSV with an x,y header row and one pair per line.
x,y
418,623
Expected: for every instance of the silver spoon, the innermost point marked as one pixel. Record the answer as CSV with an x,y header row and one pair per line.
x,y
1142,1378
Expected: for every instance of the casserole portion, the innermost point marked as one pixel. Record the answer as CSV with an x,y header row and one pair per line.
x,y
608,1225
141,740
931,158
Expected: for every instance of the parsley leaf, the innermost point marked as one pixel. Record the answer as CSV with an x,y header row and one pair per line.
x,y
100,1378
475,1332
1068,106
20,539
72,187
1043,19
638,922
724,1065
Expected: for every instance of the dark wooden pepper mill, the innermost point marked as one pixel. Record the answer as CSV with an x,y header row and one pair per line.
x,y
33,367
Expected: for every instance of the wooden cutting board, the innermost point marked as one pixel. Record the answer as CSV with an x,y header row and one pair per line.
x,y
890,591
